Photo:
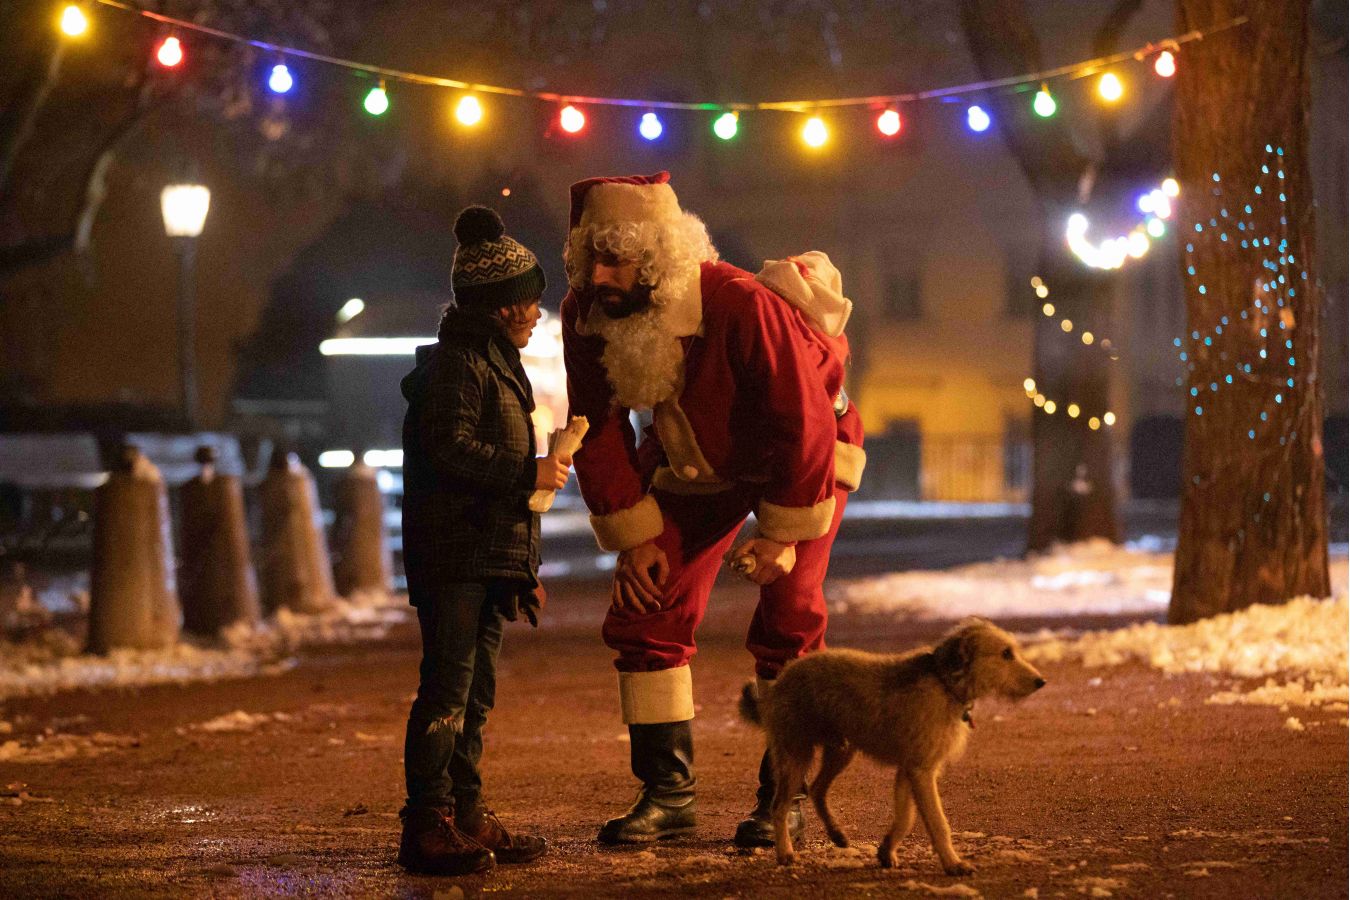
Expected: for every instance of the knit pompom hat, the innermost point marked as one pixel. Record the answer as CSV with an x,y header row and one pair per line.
x,y
491,269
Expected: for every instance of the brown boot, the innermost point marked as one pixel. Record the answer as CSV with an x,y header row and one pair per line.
x,y
432,845
482,824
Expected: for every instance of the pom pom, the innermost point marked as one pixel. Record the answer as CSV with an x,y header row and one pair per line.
x,y
477,224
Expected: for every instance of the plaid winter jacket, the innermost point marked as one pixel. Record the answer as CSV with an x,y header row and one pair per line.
x,y
468,460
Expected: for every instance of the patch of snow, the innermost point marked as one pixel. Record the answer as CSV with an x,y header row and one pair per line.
x,y
52,660
61,747
1099,887
947,890
1091,578
1293,724
236,721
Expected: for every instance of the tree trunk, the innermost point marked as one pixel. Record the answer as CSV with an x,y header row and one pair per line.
x,y
1073,494
1073,490
1253,516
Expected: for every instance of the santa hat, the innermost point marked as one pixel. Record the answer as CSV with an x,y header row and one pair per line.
x,y
810,282
600,202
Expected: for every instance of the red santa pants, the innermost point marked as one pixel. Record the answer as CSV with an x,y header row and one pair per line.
x,y
699,530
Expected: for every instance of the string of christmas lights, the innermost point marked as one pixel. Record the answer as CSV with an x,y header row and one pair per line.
x,y
1046,404
74,21
1268,325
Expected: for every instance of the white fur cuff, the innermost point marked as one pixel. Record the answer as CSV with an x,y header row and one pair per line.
x,y
629,528
849,462
794,523
651,698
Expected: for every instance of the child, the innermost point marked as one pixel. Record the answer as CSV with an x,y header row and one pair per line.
x,y
471,543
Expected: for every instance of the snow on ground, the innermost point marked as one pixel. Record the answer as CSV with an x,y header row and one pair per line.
x,y
1298,649
1092,578
52,661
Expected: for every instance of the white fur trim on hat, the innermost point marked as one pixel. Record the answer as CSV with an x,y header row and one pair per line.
x,y
849,462
652,698
811,283
607,204
794,523
629,528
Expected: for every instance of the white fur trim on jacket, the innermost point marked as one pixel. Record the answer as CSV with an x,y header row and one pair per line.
x,y
628,528
651,698
794,523
810,282
849,462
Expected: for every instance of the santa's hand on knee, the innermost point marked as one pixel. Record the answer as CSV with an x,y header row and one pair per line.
x,y
639,576
762,560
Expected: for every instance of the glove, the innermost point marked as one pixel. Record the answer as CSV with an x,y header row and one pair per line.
x,y
512,603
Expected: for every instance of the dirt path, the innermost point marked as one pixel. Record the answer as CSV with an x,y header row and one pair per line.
x,y
1108,783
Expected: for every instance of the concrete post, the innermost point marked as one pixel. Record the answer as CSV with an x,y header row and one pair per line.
x,y
216,580
133,596
364,564
296,569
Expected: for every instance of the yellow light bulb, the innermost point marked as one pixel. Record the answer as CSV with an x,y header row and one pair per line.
x,y
74,22
1109,418
1073,410
469,111
1110,87
1066,325
1036,281
1048,309
1050,407
1042,291
1087,337
1094,423
1039,400
1030,385
814,132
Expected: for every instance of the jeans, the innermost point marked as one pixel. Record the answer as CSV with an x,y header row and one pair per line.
x,y
461,636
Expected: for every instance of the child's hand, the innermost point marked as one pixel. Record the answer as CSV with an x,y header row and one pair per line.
x,y
550,473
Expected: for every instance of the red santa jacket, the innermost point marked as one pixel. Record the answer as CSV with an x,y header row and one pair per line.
x,y
757,405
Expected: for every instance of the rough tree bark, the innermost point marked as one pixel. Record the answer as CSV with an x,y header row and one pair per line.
x,y
1253,515
1073,495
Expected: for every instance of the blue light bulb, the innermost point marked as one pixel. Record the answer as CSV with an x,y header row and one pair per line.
x,y
977,119
280,81
650,127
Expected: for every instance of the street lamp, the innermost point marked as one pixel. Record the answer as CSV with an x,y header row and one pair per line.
x,y
184,207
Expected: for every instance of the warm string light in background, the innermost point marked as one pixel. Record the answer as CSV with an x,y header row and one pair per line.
x,y
1034,394
74,22
1112,253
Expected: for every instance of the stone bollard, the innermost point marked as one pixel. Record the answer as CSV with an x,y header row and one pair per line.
x,y
133,598
216,580
364,563
296,571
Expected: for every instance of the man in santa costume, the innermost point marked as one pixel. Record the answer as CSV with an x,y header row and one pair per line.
x,y
743,376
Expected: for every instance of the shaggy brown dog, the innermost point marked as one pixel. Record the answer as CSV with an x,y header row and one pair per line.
x,y
911,711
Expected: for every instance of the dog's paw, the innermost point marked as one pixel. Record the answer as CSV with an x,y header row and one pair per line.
x,y
887,856
838,838
787,859
959,867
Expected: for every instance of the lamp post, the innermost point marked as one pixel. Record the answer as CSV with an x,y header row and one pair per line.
x,y
184,207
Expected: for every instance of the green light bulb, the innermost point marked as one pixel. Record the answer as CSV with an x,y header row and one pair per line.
x,y
1044,104
726,125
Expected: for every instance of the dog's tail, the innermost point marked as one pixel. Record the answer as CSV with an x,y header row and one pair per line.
x,y
749,705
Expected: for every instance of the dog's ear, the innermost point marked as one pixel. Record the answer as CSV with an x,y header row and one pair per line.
x,y
955,653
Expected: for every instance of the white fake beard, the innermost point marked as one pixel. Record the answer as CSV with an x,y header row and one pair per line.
x,y
644,363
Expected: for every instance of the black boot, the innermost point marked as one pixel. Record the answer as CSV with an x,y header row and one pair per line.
x,y
663,759
756,830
